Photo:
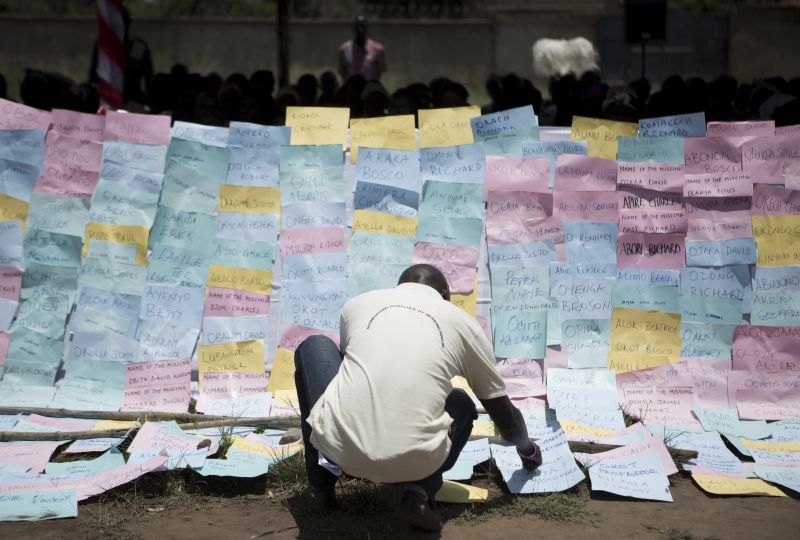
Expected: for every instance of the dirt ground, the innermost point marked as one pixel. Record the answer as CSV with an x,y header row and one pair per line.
x,y
693,516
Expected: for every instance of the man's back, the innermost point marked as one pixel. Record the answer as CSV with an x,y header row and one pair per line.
x,y
383,415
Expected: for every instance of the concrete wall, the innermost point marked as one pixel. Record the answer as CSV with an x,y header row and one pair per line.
x,y
765,42
762,42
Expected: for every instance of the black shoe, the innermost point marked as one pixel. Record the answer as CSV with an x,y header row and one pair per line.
x,y
324,500
415,510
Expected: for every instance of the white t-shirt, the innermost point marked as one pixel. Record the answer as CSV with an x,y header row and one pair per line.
x,y
382,417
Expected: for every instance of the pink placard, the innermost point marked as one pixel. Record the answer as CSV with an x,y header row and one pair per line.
x,y
765,396
786,130
310,241
655,176
584,173
710,382
61,180
231,384
741,129
718,185
34,455
640,250
457,263
768,349
234,303
293,335
84,126
712,207
713,155
764,158
10,283
775,201
518,205
647,211
516,174
60,424
524,231
524,377
555,358
137,128
650,444
153,435
138,374
98,483
157,397
724,226
586,205
65,151
4,340
18,116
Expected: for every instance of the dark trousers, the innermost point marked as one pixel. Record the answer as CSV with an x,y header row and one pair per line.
x,y
316,362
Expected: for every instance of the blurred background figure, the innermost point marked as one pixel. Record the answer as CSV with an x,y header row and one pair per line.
x,y
361,55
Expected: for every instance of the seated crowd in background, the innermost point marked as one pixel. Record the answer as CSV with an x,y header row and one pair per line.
x,y
214,100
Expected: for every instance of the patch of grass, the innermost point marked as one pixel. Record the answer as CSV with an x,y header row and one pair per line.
x,y
677,534
287,477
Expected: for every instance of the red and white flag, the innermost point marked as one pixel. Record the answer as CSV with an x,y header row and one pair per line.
x,y
111,52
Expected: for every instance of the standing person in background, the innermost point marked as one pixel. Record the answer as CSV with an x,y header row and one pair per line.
x,y
383,407
361,55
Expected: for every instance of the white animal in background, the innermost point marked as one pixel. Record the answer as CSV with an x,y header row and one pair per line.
x,y
557,57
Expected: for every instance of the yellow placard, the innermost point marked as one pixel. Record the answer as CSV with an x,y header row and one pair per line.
x,y
240,356
12,209
460,382
467,301
722,485
103,425
577,428
318,125
446,127
454,492
788,447
392,132
282,375
286,397
777,239
135,235
643,339
601,135
244,445
249,199
379,222
244,279
483,428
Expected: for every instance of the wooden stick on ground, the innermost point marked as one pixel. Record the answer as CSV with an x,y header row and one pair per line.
x,y
270,422
110,415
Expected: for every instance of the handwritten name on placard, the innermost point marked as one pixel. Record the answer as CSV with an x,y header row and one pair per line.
x,y
137,128
391,132
602,135
249,199
777,239
656,176
584,173
318,125
718,185
741,129
244,279
446,127
119,234
643,339
18,116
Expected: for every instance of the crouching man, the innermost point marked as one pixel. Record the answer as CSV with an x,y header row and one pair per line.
x,y
383,407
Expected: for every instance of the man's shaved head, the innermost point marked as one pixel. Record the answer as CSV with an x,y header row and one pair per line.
x,y
426,274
